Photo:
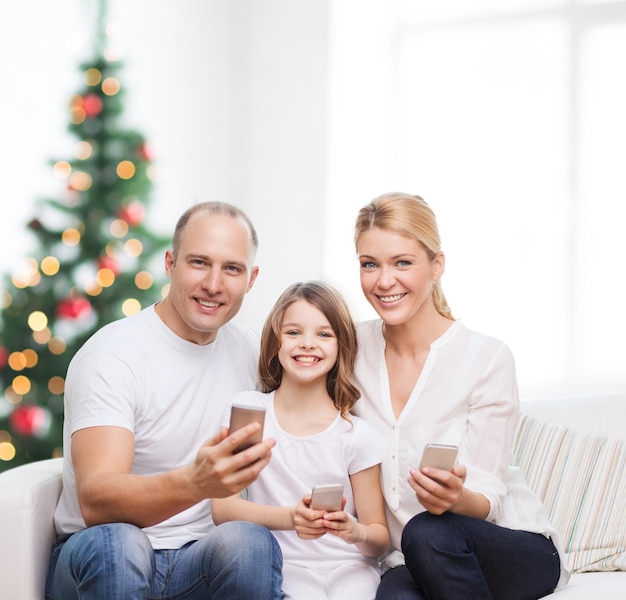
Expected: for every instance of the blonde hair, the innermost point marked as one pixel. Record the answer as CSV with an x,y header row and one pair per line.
x,y
411,217
330,302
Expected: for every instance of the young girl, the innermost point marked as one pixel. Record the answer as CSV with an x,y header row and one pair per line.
x,y
308,349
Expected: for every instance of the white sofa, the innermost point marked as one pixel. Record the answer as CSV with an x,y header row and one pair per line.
x,y
29,494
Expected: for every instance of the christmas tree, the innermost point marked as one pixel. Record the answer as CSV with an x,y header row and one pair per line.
x,y
92,266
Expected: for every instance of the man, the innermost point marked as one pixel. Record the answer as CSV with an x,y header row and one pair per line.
x,y
142,398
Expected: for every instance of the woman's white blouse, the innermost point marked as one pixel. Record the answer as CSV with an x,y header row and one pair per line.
x,y
466,395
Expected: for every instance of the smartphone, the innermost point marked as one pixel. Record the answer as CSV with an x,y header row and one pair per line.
x,y
241,415
328,497
440,456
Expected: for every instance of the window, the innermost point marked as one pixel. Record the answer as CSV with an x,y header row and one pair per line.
x,y
508,119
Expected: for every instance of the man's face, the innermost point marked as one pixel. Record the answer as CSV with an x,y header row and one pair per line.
x,y
210,276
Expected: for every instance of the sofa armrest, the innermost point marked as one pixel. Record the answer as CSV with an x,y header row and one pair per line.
x,y
28,498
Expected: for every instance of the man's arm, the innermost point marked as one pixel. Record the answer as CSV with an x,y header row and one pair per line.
x,y
109,493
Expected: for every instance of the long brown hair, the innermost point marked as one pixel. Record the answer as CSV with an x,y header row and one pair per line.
x,y
330,302
411,217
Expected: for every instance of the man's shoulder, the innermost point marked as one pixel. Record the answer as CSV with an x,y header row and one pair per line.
x,y
121,334
234,332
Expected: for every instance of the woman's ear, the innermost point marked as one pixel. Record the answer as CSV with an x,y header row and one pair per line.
x,y
439,266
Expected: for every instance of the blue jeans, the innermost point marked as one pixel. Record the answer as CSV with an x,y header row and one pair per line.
x,y
451,557
116,562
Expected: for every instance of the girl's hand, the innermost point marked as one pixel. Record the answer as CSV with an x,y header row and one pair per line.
x,y
438,490
308,523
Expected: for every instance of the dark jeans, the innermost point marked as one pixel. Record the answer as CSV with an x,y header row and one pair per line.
x,y
451,557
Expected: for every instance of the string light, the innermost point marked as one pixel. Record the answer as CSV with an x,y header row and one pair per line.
x,y
7,451
37,320
93,76
80,181
57,345
125,169
62,169
43,336
144,280
56,385
83,150
110,86
105,277
21,385
71,236
133,248
50,265
131,306
119,228
17,361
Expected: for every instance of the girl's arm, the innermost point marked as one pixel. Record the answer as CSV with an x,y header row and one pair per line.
x,y
235,508
369,534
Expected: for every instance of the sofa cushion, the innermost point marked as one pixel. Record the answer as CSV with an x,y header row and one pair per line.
x,y
582,482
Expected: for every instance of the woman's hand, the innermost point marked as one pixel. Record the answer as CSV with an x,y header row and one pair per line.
x,y
438,490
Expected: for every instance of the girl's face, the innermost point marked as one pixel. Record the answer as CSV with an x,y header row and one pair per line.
x,y
396,275
308,345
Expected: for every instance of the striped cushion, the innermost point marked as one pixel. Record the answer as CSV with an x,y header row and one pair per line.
x,y
581,479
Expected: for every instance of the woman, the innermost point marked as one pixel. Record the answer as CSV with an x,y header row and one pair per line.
x,y
476,531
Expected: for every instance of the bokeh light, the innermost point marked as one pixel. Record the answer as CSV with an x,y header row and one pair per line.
x,y
50,265
57,345
37,320
21,384
110,86
119,228
56,385
71,236
133,248
93,76
131,306
144,280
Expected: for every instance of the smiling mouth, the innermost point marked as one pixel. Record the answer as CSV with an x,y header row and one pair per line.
x,y
208,303
307,359
391,299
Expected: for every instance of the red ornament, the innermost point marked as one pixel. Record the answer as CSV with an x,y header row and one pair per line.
x,y
4,357
133,213
74,308
108,262
30,420
92,105
144,152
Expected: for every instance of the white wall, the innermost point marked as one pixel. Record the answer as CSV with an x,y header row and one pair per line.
x,y
231,96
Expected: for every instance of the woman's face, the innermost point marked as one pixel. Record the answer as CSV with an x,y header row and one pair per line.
x,y
396,275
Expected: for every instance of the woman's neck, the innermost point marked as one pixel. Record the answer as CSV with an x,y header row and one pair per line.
x,y
416,335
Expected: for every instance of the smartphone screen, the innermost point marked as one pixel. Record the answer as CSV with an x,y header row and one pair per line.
x,y
328,497
439,456
241,415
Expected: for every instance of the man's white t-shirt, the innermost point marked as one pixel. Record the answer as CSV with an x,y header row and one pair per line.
x,y
171,394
